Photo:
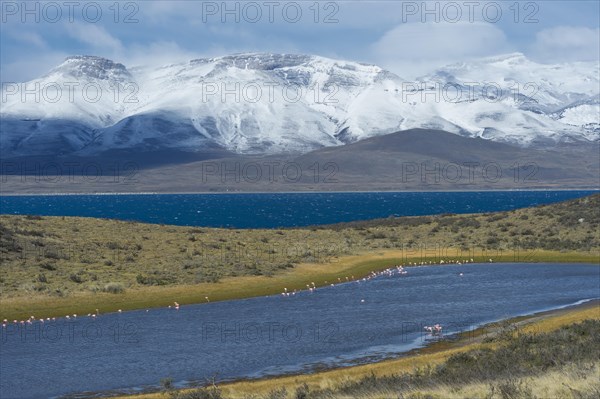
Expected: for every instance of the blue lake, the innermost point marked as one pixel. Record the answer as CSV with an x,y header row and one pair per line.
x,y
349,323
275,210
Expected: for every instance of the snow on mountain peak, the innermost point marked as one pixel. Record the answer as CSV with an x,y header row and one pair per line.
x,y
510,58
262,61
273,103
91,67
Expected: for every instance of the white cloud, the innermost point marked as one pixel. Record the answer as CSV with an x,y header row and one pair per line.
x,y
95,36
410,49
155,54
29,38
567,43
27,68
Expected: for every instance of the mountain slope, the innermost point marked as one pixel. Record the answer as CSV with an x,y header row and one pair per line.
x,y
413,160
513,99
433,159
281,103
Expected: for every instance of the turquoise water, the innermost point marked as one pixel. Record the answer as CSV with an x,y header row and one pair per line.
x,y
275,210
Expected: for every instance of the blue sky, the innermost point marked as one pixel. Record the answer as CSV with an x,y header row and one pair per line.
x,y
394,34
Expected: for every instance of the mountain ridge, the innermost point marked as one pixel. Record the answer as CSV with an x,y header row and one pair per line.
x,y
244,103
412,160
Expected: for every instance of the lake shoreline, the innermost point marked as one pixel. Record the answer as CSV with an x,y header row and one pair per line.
x,y
239,288
64,265
507,190
455,341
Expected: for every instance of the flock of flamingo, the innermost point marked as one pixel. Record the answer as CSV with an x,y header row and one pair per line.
x,y
436,329
33,319
42,320
312,287
391,271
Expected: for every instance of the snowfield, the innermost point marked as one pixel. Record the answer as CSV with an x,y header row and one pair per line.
x,y
282,103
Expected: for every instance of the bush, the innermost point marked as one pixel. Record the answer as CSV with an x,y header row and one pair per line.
x,y
114,288
51,255
167,383
191,265
212,392
154,280
512,389
496,217
76,278
379,235
302,392
8,243
33,233
280,393
517,356
468,222
48,266
492,240
209,276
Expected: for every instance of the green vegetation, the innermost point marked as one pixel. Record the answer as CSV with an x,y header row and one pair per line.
x,y
53,265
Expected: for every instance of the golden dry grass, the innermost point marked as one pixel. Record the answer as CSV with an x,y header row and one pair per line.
x,y
569,382
357,266
52,266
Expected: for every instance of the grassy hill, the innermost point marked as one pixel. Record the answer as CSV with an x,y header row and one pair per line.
x,y
52,264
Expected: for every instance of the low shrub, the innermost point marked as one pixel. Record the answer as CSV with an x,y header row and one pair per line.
x,y
114,288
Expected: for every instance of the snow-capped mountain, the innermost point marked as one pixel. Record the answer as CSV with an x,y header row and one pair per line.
x,y
276,103
513,99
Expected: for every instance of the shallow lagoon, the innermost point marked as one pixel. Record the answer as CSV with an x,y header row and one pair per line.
x,y
346,324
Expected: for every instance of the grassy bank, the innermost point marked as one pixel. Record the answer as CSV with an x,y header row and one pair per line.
x,y
20,307
554,354
52,266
